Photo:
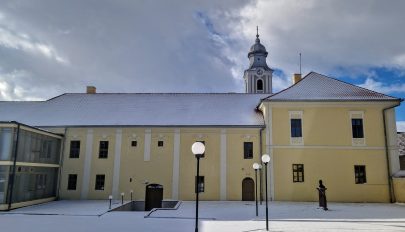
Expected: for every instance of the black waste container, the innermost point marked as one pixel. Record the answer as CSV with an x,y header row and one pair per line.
x,y
153,196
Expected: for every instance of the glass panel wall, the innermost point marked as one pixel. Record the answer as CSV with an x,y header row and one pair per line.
x,y
6,143
4,174
38,148
32,183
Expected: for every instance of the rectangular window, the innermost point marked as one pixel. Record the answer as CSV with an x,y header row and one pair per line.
x,y
74,149
248,150
357,128
296,128
134,143
360,174
298,173
160,143
199,184
103,150
72,181
100,179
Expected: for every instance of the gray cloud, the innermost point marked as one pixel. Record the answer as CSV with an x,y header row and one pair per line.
x,y
52,47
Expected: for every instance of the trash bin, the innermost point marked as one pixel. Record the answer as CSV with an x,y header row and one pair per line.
x,y
153,196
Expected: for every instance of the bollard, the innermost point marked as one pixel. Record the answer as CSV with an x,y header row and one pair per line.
x,y
132,192
110,198
122,198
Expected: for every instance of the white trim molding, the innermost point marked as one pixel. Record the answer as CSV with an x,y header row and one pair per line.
x,y
87,165
176,165
223,170
117,163
148,141
357,141
296,115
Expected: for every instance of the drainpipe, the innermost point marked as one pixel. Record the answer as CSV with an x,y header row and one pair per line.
x,y
260,172
12,176
391,190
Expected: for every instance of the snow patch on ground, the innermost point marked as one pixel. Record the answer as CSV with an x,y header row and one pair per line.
x,y
78,216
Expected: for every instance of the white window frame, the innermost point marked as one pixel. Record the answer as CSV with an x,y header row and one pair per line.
x,y
357,115
296,115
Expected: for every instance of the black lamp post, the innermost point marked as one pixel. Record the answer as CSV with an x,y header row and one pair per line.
x,y
266,160
198,150
110,198
260,181
255,167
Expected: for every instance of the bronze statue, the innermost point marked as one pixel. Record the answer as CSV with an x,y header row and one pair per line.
x,y
322,195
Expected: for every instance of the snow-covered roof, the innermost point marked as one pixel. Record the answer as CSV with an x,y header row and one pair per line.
x,y
137,109
317,87
401,143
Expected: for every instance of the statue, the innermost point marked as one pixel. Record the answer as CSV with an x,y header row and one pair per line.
x,y
322,195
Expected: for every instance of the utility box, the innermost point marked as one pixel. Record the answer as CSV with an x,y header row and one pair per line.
x,y
153,196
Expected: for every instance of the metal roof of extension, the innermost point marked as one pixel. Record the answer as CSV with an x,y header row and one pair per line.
x,y
138,109
318,87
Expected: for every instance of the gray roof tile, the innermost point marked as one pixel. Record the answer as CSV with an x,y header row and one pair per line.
x,y
137,109
317,87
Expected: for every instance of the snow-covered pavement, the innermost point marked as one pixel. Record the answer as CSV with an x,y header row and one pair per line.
x,y
64,216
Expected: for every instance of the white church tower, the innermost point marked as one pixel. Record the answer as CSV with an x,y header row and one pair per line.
x,y
258,77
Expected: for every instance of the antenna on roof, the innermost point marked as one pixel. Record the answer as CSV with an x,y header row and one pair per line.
x,y
300,64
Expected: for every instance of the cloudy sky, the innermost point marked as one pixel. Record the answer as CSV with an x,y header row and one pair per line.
x,y
50,47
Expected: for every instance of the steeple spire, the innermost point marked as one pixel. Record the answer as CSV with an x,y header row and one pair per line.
x,y
258,77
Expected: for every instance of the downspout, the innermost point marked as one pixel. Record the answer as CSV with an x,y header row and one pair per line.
x,y
391,190
261,153
11,184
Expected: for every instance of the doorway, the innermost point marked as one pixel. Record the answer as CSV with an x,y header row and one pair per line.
x,y
248,189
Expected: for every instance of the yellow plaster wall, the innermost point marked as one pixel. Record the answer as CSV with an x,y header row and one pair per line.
x,y
209,165
328,153
72,166
158,170
328,125
336,169
238,167
160,167
399,189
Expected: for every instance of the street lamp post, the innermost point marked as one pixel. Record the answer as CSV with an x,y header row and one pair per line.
x,y
198,150
255,167
266,160
260,181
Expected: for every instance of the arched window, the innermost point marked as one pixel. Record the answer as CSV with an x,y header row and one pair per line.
x,y
259,85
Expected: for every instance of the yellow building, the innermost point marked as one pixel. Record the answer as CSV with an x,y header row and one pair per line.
x,y
317,129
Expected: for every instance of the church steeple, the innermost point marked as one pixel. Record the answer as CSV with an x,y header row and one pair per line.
x,y
258,77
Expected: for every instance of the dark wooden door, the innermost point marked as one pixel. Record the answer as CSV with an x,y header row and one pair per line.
x,y
248,189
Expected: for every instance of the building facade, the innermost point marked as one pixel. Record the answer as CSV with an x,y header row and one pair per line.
x,y
317,129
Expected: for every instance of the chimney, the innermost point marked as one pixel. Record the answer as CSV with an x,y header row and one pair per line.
x,y
91,90
296,78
